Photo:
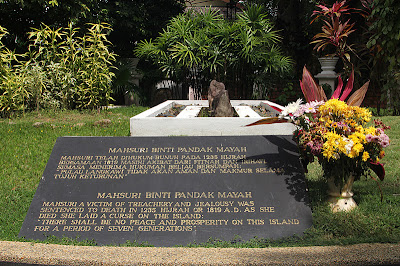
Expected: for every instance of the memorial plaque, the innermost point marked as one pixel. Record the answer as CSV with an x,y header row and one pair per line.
x,y
170,190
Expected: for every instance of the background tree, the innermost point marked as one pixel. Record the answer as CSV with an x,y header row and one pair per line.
x,y
135,20
385,46
131,20
292,20
366,50
19,16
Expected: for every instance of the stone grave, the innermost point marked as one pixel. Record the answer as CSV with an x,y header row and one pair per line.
x,y
186,123
170,190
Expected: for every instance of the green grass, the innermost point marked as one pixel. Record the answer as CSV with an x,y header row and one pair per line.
x,y
25,149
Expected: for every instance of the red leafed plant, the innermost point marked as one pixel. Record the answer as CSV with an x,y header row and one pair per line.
x,y
314,92
322,126
335,29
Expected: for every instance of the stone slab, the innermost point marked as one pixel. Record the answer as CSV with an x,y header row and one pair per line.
x,y
246,111
170,190
189,112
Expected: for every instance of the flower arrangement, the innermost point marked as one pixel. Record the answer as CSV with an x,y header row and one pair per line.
x,y
338,136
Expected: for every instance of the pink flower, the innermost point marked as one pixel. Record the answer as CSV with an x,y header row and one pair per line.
x,y
312,106
341,124
383,137
315,147
309,108
383,140
385,144
369,138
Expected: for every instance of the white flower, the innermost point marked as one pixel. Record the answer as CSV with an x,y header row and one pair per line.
x,y
312,106
291,108
348,146
299,112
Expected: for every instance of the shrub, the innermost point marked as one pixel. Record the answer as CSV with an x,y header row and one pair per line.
x,y
198,47
62,70
13,95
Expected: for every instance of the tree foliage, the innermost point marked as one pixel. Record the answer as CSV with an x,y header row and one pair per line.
x,y
131,20
135,20
292,19
385,44
386,29
19,16
198,47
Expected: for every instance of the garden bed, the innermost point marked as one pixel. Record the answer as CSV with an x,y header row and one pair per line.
x,y
176,109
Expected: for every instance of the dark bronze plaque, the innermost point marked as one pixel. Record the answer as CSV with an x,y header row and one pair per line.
x,y
170,190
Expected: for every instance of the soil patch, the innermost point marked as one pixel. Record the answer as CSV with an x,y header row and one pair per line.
x,y
173,111
205,112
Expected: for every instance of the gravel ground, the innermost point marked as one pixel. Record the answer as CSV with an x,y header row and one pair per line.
x,y
49,254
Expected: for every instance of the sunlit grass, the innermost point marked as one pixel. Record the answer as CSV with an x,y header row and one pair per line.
x,y
25,150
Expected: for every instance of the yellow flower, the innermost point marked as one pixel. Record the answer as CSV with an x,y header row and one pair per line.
x,y
365,156
333,107
335,115
370,130
357,148
359,128
362,114
330,147
357,137
339,111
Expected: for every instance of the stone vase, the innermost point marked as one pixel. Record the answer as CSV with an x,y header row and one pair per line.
x,y
328,74
328,65
340,196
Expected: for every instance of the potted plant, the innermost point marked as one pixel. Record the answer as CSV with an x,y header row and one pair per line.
x,y
334,32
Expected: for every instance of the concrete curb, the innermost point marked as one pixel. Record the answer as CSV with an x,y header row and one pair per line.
x,y
50,254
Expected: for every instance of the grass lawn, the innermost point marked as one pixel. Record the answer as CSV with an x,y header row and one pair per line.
x,y
25,149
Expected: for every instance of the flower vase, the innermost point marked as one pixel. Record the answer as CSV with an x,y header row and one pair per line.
x,y
328,65
328,74
340,195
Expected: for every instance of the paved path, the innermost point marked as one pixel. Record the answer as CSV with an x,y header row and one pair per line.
x,y
361,254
